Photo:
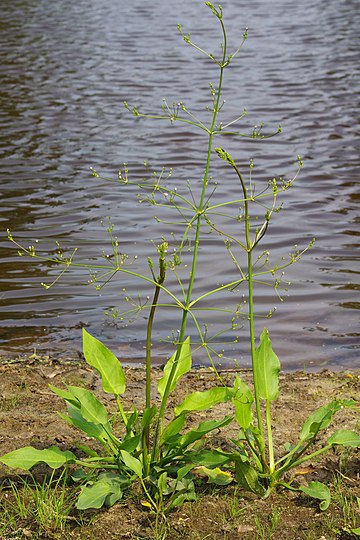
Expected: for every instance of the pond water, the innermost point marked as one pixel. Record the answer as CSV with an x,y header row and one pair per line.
x,y
67,67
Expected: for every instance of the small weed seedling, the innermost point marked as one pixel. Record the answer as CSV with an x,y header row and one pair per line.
x,y
164,457
266,529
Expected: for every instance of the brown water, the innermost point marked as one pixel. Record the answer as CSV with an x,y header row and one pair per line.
x,y
66,68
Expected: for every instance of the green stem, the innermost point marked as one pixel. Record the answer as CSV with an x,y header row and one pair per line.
x,y
148,347
198,219
151,500
95,465
250,245
121,410
173,118
251,326
302,460
160,280
270,439
295,453
294,464
250,248
253,451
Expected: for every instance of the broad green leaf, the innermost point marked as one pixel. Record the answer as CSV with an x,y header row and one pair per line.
x,y
106,364
130,443
28,456
319,419
133,463
148,416
215,476
200,401
107,490
180,499
183,471
183,366
243,400
131,422
75,418
162,485
167,485
69,398
318,490
202,429
345,437
173,428
266,369
90,407
356,531
209,458
87,450
113,498
184,487
79,475
93,496
247,477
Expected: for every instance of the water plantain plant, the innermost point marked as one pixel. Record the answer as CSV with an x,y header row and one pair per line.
x,y
126,456
154,446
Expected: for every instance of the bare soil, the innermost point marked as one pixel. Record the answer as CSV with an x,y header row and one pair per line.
x,y
28,417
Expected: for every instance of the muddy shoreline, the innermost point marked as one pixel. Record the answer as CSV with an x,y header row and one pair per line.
x,y
28,417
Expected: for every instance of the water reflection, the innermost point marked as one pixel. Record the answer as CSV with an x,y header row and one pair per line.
x,y
66,68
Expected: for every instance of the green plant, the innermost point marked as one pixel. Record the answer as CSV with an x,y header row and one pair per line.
x,y
7,520
234,507
266,529
11,402
148,448
256,467
161,471
44,507
348,519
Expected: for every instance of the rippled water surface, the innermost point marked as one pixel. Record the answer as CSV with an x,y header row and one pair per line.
x,y
67,67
